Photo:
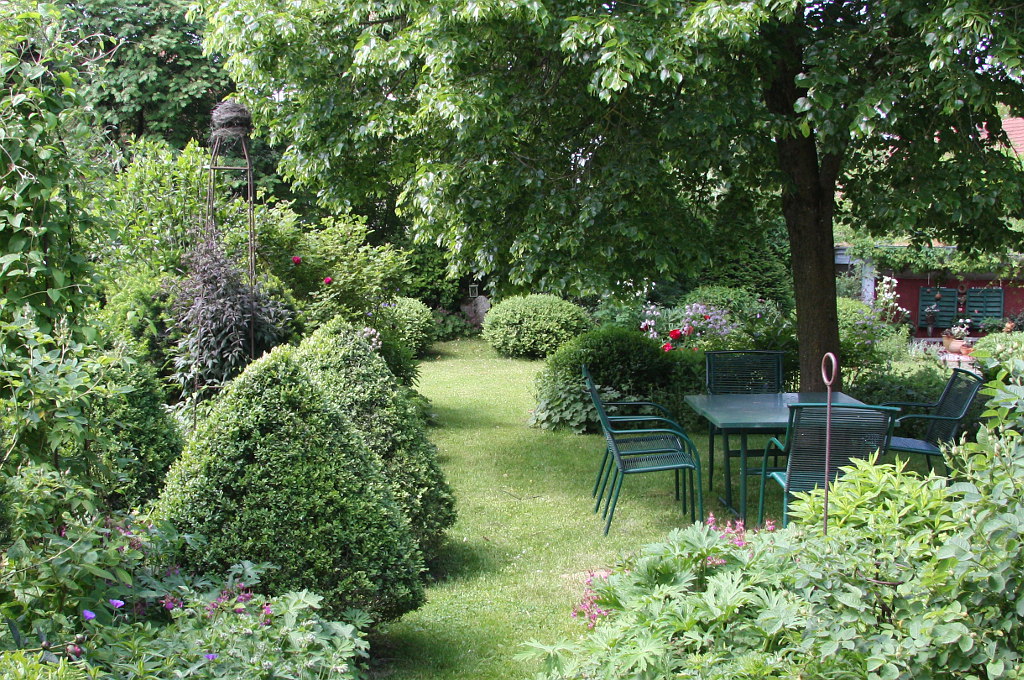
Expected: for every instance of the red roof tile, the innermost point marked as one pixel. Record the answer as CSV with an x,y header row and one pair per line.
x,y
1014,128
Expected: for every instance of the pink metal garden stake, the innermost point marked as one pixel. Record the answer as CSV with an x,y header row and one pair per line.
x,y
829,367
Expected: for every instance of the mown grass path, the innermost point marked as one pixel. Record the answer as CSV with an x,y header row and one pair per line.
x,y
525,539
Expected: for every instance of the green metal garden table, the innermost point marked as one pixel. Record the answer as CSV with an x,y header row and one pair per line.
x,y
746,414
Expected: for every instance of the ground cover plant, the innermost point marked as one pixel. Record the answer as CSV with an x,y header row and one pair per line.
x,y
90,593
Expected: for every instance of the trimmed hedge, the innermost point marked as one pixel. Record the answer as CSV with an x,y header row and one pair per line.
x,y
357,382
533,325
275,473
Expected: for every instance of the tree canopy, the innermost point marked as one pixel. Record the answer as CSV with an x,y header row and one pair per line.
x,y
571,146
154,77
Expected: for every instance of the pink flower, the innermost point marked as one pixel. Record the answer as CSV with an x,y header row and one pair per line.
x,y
688,330
328,280
296,259
667,347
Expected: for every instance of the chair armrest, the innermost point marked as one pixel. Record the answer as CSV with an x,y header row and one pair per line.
x,y
764,459
664,411
671,425
910,404
926,416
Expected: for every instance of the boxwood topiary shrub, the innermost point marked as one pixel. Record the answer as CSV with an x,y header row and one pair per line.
x,y
357,381
275,473
533,325
133,437
625,364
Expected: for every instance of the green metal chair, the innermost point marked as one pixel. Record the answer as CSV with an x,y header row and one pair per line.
x,y
739,372
639,444
944,416
857,432
661,414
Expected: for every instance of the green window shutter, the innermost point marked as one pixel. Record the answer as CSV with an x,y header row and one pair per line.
x,y
984,303
946,315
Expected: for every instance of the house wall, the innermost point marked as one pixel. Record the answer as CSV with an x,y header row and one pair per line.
x,y
908,288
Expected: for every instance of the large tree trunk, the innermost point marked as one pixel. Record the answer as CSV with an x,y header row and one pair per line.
x,y
808,204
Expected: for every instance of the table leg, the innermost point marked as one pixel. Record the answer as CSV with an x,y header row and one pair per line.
x,y
727,470
743,479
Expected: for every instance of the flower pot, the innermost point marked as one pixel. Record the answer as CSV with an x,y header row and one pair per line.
x,y
966,349
954,345
946,340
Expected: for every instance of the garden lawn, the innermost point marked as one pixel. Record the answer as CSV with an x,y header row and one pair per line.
x,y
525,539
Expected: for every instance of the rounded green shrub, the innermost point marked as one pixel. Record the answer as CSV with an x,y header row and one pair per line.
x,y
625,364
533,325
134,438
357,381
405,321
275,473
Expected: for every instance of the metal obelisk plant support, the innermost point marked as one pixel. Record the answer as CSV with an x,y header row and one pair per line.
x,y
231,124
829,367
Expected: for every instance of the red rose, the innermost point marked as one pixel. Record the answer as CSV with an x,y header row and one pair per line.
x,y
707,316
675,334
296,259
327,279
667,347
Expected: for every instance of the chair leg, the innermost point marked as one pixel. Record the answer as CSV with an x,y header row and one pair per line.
x,y
606,472
600,473
785,509
676,474
615,478
700,497
614,499
693,496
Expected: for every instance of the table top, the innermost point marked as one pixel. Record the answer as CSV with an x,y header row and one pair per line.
x,y
756,412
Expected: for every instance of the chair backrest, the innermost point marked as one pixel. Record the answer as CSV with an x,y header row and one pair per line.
x,y
956,398
857,432
602,415
744,371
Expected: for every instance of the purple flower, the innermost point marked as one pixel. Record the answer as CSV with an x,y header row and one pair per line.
x,y
211,656
116,604
88,615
